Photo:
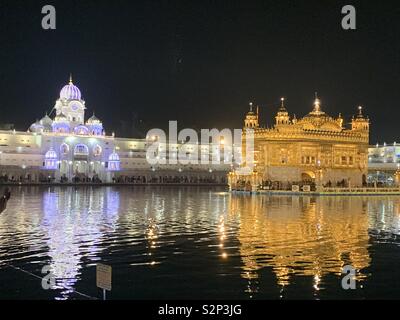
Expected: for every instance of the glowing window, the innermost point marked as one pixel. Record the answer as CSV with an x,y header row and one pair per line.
x,y
97,151
81,149
64,149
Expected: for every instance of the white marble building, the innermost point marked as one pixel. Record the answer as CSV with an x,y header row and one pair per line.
x,y
69,147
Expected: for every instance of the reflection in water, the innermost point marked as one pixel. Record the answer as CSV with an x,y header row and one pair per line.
x,y
74,223
384,217
246,246
301,237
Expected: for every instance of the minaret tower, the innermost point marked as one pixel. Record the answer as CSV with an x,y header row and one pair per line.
x,y
282,117
340,120
360,123
251,120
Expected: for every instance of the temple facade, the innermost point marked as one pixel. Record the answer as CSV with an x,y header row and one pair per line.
x,y
66,146
316,149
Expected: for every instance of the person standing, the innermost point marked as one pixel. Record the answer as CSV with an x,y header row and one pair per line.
x,y
4,199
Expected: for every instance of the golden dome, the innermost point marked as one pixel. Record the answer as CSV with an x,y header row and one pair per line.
x,y
319,120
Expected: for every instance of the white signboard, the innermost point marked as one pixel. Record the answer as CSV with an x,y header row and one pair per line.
x,y
103,276
295,188
306,188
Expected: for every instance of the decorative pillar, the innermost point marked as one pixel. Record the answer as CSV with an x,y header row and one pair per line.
x,y
397,178
254,181
231,180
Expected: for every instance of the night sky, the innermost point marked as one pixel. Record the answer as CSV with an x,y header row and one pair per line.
x,y
201,62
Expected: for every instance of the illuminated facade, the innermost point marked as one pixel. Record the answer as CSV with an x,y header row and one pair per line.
x,y
69,148
384,164
316,148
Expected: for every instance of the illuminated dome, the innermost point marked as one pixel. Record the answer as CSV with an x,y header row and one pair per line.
x,y
319,120
46,121
95,126
93,120
61,124
70,92
36,127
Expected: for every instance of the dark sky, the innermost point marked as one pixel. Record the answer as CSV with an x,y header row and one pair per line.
x,y
201,62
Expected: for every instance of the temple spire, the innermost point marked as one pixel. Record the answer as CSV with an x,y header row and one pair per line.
x,y
317,103
282,108
70,78
360,112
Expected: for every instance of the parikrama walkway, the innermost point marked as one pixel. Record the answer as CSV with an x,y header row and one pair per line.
x,y
111,184
329,192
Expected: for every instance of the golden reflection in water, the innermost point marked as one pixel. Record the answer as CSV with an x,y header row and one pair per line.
x,y
222,236
301,236
152,236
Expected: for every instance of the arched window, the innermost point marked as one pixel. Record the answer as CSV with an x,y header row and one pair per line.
x,y
50,160
81,150
97,151
64,149
81,130
114,162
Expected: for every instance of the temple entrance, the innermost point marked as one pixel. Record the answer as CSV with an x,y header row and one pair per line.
x,y
81,168
80,164
308,177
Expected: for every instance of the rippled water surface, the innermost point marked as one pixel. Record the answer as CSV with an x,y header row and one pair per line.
x,y
193,243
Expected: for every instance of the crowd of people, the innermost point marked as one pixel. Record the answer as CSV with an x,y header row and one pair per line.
x,y
168,180
287,186
140,179
15,179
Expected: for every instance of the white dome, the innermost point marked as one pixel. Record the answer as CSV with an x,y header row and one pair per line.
x,y
70,92
36,127
46,121
93,120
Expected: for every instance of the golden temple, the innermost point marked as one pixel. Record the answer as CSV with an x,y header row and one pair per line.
x,y
316,149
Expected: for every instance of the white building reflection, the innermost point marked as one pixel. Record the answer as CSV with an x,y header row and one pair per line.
x,y
76,223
